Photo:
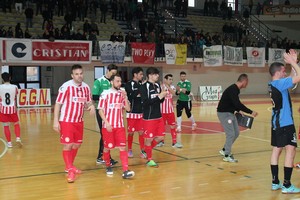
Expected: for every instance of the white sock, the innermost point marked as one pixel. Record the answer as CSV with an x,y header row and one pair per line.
x,y
192,119
179,122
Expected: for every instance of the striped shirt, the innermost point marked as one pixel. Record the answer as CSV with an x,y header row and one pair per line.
x,y
112,102
8,95
73,99
167,104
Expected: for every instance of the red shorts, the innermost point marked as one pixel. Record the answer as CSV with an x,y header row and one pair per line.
x,y
169,118
71,132
9,117
154,128
134,125
116,138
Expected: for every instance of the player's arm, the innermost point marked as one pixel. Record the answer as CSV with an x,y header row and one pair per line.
x,y
188,88
104,119
96,90
291,58
56,125
90,107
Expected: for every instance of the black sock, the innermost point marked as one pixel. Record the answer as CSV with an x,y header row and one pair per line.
x,y
287,176
274,171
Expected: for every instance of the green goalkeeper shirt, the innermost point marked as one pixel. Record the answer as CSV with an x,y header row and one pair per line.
x,y
100,85
188,86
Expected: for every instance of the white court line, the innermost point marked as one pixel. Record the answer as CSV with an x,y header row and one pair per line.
x,y
145,192
175,188
117,196
203,184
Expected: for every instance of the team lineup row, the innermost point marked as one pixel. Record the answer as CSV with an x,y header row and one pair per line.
x,y
149,107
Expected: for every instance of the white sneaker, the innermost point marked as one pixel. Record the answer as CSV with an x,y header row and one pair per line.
x,y
177,145
160,144
19,142
178,129
9,145
194,125
222,152
230,159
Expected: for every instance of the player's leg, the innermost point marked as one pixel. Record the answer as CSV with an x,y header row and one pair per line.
x,y
120,141
188,111
7,134
179,108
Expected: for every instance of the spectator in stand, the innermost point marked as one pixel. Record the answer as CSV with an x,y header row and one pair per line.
x,y
19,6
142,26
287,2
87,26
177,4
223,8
69,19
120,37
46,16
205,8
103,9
27,34
94,27
65,33
215,8
129,17
145,37
114,9
92,37
56,33
121,10
60,8
10,33
184,8
79,35
39,6
2,31
19,31
250,5
113,37
258,8
229,12
49,25
29,16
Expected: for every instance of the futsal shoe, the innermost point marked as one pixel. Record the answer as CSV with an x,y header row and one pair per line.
x,y
71,176
194,126
276,186
230,159
297,165
130,154
77,171
151,163
9,145
128,174
143,154
177,145
19,142
290,190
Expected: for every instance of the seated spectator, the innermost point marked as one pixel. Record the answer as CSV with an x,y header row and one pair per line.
x,y
10,33
27,34
120,37
2,31
56,33
114,37
79,35
65,33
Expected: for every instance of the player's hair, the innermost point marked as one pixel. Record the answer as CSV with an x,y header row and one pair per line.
x,y
152,70
182,73
275,67
76,66
112,67
136,70
113,76
168,75
5,76
242,77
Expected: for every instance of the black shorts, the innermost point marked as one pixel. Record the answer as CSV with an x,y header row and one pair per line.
x,y
284,136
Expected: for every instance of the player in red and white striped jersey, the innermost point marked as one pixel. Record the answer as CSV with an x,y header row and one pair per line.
x,y
73,97
111,105
8,110
167,109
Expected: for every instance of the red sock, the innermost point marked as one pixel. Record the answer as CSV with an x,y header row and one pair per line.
x,y
130,140
106,157
142,142
124,160
174,135
67,155
148,150
154,143
17,130
74,153
7,133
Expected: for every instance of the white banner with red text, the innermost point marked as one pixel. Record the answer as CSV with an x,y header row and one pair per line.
x,y
256,57
143,53
34,97
43,51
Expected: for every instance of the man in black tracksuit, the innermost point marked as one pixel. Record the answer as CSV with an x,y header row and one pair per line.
x,y
154,128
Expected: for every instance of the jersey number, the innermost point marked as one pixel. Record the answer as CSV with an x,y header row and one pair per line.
x,y
7,98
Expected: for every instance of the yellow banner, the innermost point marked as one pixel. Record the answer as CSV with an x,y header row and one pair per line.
x,y
181,50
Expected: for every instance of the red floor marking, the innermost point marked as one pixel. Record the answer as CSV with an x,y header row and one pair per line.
x,y
202,128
